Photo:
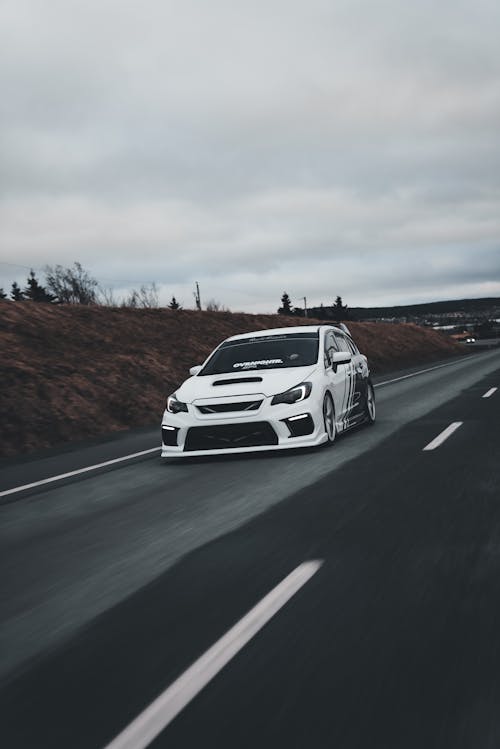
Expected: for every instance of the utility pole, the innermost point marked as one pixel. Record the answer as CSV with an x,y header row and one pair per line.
x,y
305,307
196,295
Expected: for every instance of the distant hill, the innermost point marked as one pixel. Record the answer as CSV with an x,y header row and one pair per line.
x,y
428,308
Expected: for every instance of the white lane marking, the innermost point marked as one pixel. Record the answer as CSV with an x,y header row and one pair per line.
x,y
155,718
421,371
443,436
490,392
67,475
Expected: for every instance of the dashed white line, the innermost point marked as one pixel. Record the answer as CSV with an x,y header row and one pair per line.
x,y
155,718
490,392
69,474
443,436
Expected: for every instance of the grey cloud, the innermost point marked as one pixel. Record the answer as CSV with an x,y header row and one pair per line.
x,y
179,141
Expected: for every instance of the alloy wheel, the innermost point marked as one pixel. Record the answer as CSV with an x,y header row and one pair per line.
x,y
329,418
370,404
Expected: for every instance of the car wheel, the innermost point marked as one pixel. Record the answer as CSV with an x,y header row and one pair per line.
x,y
329,419
370,410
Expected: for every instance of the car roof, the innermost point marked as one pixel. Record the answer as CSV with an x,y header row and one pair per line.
x,y
281,331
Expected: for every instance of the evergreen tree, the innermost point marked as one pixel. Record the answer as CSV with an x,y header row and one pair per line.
x,y
16,294
35,291
174,304
3,295
286,305
340,311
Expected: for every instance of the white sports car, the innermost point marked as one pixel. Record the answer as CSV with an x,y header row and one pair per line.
x,y
270,390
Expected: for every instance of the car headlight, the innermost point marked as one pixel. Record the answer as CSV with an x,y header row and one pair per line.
x,y
294,395
174,406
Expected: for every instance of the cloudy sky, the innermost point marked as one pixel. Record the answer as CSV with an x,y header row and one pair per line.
x,y
320,146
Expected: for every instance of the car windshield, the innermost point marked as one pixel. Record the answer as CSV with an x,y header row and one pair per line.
x,y
264,352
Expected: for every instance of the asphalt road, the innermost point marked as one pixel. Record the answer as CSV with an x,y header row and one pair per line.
x,y
117,580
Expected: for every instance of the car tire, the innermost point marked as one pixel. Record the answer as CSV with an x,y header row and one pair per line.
x,y
329,419
370,410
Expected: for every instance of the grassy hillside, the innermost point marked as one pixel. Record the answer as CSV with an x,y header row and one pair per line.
x,y
71,372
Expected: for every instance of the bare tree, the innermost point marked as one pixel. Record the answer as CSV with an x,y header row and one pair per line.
x,y
71,285
146,297
213,305
106,297
132,300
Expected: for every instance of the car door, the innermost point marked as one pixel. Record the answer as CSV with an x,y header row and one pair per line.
x,y
336,377
350,378
357,379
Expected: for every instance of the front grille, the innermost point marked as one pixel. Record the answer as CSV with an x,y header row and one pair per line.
x,y
219,408
223,436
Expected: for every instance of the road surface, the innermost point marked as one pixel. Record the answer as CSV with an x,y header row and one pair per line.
x,y
340,597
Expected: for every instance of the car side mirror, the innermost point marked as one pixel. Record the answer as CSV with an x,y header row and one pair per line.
x,y
194,370
341,357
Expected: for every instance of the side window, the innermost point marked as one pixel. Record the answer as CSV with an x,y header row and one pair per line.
x,y
346,343
341,342
352,346
330,348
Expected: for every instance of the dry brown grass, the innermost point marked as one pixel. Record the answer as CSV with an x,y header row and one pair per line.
x,y
70,372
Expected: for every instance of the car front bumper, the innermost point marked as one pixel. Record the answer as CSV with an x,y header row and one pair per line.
x,y
278,427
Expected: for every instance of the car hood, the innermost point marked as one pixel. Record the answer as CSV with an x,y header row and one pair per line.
x,y
270,382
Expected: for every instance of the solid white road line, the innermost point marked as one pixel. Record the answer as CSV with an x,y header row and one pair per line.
x,y
77,472
155,718
443,436
414,374
490,392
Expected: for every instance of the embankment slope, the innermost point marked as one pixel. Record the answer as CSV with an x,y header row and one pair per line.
x,y
71,372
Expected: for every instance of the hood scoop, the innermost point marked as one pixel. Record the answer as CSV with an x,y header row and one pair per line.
x,y
236,381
